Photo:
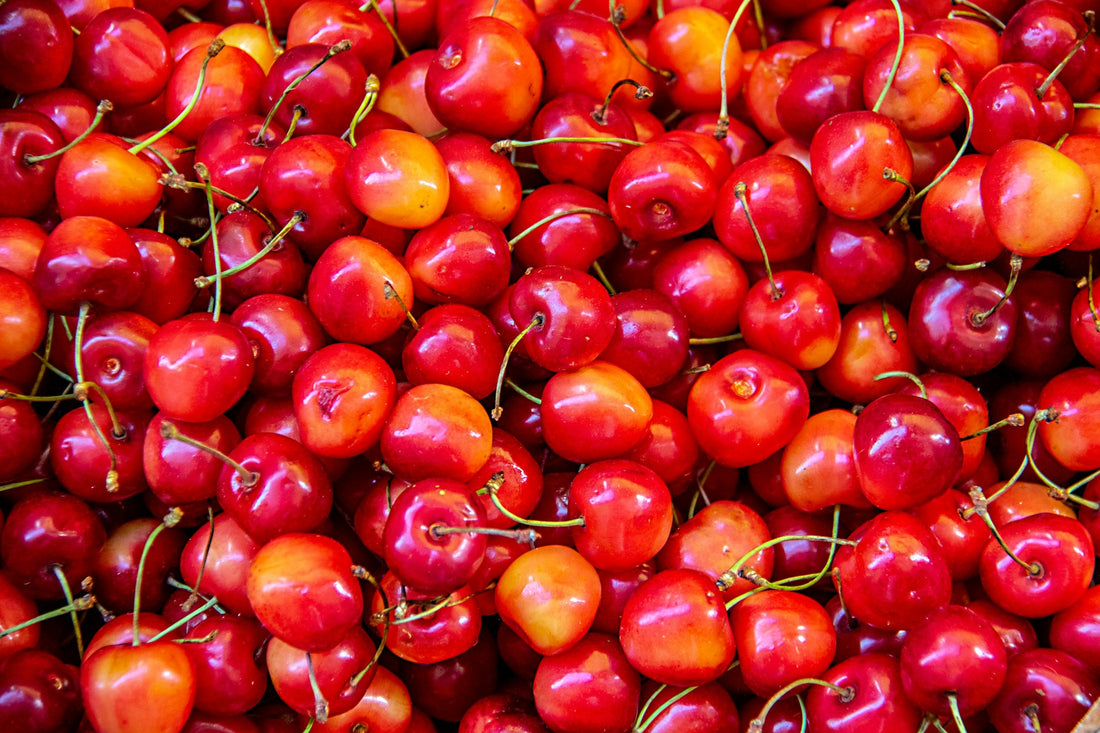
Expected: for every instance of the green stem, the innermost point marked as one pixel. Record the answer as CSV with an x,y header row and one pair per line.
x,y
721,130
210,603
67,591
204,178
83,603
340,47
897,57
908,375
205,281
847,694
552,218
101,110
365,107
170,520
212,50
640,728
537,321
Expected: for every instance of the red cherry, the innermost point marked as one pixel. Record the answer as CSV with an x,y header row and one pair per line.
x,y
127,689
591,686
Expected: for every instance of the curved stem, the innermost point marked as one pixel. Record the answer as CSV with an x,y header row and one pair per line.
x,y
1015,420
820,575
554,217
169,431
597,270
59,573
640,727
707,340
401,47
908,375
202,566
493,486
320,705
617,15
1090,18
537,321
641,92
981,508
369,98
177,181
897,57
980,12
522,392
1016,263
170,520
101,110
1092,302
390,293
727,579
206,281
204,177
891,332
739,191
212,50
847,694
78,358
723,125
340,47
522,536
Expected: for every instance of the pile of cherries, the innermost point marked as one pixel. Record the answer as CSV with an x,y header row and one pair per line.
x,y
506,366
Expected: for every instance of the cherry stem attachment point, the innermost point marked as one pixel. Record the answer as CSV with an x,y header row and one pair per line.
x,y
370,96
1016,263
721,129
641,91
390,293
891,332
340,47
981,508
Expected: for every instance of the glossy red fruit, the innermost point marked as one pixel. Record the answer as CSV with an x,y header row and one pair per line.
x,y
127,689
589,687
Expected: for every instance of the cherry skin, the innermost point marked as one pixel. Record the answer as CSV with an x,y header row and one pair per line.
x,y
848,155
483,183
549,597
286,489
113,354
1007,108
765,398
456,345
305,576
818,466
459,259
825,83
686,606
873,698
485,79
858,260
230,679
81,461
224,567
334,670
170,272
425,559
669,447
23,323
28,188
797,320
121,55
41,693
896,577
38,46
1059,553
522,485
398,178
17,608
234,81
1044,684
591,686
342,395
688,42
127,689
781,637
962,536
23,435
284,333
594,412
572,239
196,369
906,451
436,431
1085,326
328,97
976,670
116,565
706,283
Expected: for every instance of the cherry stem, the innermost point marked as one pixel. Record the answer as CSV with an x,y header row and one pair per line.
x,y
1015,420
21,484
536,322
1092,303
1016,263
320,705
643,722
707,340
507,146
80,392
946,78
641,92
171,519
210,603
169,431
204,176
981,509
889,174
897,57
597,270
956,714
962,268
401,48
891,332
1031,712
7,394
522,536
1047,415
1086,105
340,47
59,573
1090,18
739,191
847,694
908,375
101,110
45,358
206,281
808,582
552,218
522,392
179,182
721,129
360,572
191,599
111,481
81,603
373,86
212,50
727,579
492,487
980,12
617,16
391,294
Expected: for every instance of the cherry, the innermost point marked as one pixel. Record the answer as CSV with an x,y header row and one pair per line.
x,y
502,708
706,283
385,705
427,540
685,606
436,431
870,696
88,259
1046,34
746,407
223,571
482,182
127,688
896,576
41,693
850,156
858,260
23,435
1043,688
299,576
962,321
398,178
594,412
827,82
1070,395
591,686
121,55
284,333
792,316
320,683
561,224
18,610
906,451
669,447
38,46
327,22
274,485
661,190
170,272
781,636
251,260
197,368
549,597
120,558
1007,107
231,85
459,259
230,677
314,89
454,345
1044,566
465,95
818,466
96,453
580,51
402,95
